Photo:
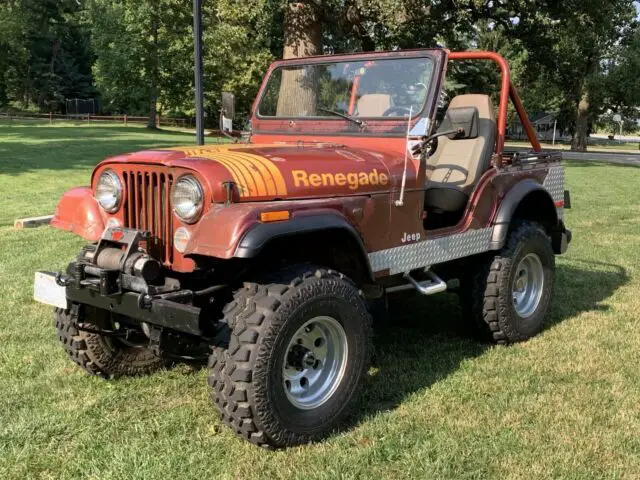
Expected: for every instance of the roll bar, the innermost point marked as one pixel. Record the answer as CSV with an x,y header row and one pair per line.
x,y
507,91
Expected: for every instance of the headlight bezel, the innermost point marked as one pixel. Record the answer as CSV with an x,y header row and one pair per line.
x,y
118,189
194,183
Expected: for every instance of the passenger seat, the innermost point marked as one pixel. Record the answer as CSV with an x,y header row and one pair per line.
x,y
373,105
457,164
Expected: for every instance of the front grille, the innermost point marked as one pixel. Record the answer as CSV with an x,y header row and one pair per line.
x,y
147,208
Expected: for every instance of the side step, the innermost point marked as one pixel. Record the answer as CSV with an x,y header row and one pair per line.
x,y
429,287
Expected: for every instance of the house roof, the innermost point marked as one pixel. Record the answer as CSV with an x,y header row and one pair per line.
x,y
542,118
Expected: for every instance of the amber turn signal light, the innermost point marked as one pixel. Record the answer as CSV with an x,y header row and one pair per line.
x,y
277,216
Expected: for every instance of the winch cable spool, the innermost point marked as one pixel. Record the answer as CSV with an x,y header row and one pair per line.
x,y
138,264
109,258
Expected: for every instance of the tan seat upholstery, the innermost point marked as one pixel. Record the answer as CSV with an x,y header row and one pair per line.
x,y
373,105
457,165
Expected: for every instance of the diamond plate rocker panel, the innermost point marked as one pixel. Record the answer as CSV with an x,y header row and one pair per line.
x,y
431,252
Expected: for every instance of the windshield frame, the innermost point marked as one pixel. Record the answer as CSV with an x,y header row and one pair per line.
x,y
436,56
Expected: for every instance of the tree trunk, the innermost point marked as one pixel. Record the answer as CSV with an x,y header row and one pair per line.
x,y
153,110
579,140
27,89
583,114
153,107
302,38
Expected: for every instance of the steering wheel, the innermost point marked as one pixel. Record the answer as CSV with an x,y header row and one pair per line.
x,y
431,147
403,111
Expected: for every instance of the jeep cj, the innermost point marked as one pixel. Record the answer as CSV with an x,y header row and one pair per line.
x,y
358,179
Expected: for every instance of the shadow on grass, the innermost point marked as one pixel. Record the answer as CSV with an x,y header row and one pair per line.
x,y
427,342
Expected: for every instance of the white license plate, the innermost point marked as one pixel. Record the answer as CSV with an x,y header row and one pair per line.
x,y
46,290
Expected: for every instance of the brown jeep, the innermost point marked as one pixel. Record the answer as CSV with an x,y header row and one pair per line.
x,y
270,252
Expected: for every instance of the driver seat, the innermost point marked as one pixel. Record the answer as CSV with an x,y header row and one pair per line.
x,y
457,164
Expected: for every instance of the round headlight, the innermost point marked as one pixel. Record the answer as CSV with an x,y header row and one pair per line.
x,y
109,191
187,198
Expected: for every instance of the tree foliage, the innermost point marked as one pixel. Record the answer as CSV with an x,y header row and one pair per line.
x,y
45,53
618,87
578,59
568,44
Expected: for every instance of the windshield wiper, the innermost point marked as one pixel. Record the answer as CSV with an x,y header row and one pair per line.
x,y
358,122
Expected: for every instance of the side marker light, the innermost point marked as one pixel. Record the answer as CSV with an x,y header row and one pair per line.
x,y
277,216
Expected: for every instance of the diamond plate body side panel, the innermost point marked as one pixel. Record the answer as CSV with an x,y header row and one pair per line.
x,y
554,183
431,252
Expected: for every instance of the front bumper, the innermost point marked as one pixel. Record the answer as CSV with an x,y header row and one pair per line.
x,y
117,275
157,310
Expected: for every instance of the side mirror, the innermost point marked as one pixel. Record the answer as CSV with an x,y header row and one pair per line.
x,y
227,112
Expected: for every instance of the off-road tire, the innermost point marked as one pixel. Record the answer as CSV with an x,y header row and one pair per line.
x,y
98,354
486,295
246,378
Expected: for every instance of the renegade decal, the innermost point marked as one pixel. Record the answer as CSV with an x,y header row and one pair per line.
x,y
352,180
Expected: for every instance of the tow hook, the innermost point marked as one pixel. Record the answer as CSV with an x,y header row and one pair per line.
x,y
144,301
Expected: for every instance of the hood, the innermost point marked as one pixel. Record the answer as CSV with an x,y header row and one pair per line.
x,y
271,172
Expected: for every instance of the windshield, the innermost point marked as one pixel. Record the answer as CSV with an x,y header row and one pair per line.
x,y
383,88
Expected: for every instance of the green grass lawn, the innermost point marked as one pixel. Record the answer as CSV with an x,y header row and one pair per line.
x,y
48,159
436,405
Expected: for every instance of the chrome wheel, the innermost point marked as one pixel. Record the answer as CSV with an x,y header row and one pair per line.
x,y
315,362
528,285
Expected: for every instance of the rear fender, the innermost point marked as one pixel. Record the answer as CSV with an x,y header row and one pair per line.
x,y
79,212
544,210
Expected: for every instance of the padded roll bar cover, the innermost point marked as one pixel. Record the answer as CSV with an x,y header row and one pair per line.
x,y
508,206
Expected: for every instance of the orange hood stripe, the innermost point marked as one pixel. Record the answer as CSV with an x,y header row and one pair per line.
x,y
241,177
255,175
271,173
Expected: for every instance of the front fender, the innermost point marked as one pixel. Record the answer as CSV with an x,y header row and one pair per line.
x,y
219,231
257,237
79,212
229,231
